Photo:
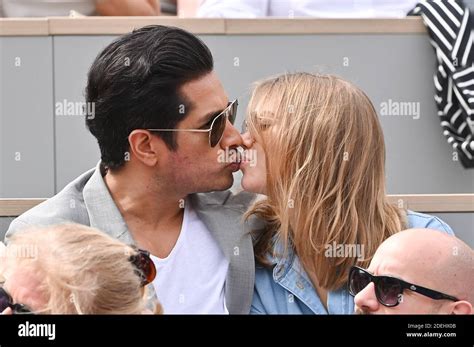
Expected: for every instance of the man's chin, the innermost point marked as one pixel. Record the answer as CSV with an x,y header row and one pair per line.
x,y
221,184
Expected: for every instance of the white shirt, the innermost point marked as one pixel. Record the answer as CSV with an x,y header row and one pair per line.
x,y
306,8
46,8
192,278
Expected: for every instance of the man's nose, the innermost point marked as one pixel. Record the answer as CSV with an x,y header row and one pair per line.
x,y
247,139
231,137
366,300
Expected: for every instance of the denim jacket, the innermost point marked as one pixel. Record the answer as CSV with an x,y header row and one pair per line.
x,y
285,288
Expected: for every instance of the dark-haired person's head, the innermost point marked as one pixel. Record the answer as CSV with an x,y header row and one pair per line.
x,y
160,77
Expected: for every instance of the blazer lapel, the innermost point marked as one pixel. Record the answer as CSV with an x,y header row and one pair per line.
x,y
105,216
103,213
233,235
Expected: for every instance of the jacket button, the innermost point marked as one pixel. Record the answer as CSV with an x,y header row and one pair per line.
x,y
300,285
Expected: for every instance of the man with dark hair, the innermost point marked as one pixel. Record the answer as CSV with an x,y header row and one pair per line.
x,y
162,120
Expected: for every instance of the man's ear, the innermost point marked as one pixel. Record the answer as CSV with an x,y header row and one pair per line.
x,y
145,146
461,307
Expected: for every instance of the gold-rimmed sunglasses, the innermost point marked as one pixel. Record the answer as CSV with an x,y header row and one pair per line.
x,y
217,127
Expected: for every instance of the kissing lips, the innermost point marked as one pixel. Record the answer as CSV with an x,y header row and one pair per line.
x,y
234,166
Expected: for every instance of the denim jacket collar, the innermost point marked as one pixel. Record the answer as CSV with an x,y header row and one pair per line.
x,y
290,274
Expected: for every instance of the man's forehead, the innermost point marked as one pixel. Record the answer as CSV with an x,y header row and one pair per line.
x,y
206,94
207,87
389,261
394,263
386,267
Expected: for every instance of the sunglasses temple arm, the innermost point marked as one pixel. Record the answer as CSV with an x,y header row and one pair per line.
x,y
433,294
178,130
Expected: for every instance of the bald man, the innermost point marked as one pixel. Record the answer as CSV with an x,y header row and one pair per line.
x,y
436,272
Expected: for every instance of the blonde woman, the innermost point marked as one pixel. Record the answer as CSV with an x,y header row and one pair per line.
x,y
73,269
320,156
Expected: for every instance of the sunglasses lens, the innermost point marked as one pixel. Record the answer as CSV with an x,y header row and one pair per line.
x,y
219,124
388,290
3,305
4,300
150,270
145,266
218,129
358,281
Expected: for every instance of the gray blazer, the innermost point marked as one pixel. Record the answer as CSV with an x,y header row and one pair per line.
x,y
87,201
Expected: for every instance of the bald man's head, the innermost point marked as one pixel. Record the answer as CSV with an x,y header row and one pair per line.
x,y
427,258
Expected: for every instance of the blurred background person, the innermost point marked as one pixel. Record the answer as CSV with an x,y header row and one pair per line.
x,y
299,8
74,269
47,8
305,8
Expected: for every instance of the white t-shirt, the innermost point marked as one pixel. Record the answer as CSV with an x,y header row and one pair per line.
x,y
192,278
46,8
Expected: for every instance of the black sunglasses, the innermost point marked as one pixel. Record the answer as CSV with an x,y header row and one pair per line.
x,y
145,268
388,290
217,126
6,301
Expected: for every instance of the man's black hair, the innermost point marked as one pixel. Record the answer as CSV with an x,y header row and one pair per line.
x,y
134,84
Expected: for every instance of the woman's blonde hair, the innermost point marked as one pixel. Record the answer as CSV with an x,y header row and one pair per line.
x,y
325,158
82,270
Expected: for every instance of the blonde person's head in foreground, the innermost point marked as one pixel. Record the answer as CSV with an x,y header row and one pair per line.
x,y
74,269
436,272
321,157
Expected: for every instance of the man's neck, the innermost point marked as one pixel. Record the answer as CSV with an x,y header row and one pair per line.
x,y
152,212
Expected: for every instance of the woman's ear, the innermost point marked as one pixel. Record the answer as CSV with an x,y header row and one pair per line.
x,y
144,146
